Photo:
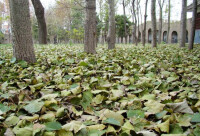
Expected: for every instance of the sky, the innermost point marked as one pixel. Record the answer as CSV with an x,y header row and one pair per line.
x,y
175,13
48,3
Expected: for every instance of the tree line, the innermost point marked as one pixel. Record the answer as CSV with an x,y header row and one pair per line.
x,y
23,48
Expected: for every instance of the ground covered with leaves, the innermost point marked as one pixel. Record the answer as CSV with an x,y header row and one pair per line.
x,y
127,91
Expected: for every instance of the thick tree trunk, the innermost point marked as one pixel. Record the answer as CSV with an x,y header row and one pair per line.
x,y
145,24
111,29
39,12
21,30
169,20
191,44
90,27
183,23
153,20
125,30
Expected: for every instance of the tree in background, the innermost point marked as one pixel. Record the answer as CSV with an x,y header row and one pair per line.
x,y
101,15
134,22
161,4
111,30
40,14
145,23
90,27
125,3
139,14
153,21
169,19
191,43
120,29
21,29
1,12
183,23
1,19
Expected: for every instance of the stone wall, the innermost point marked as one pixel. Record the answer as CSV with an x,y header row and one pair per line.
x,y
174,30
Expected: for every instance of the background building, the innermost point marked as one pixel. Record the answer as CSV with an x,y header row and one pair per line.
x,y
197,32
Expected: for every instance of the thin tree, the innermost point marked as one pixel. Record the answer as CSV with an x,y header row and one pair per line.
x,y
139,14
169,19
90,27
39,12
145,24
153,20
100,3
161,4
183,23
21,31
194,16
125,29
111,30
134,22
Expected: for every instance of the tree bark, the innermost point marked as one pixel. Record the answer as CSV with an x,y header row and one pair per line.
x,y
153,20
125,30
169,20
21,31
191,44
161,4
183,23
135,23
90,27
39,12
145,24
138,21
111,29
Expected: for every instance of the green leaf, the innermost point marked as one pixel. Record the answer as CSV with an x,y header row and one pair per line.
x,y
175,129
23,64
4,86
196,118
112,122
11,121
52,126
96,132
26,131
197,131
13,60
3,109
87,99
82,63
34,106
161,114
135,113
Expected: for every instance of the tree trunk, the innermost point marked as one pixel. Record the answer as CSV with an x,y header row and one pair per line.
x,y
169,20
183,23
153,20
145,24
138,21
161,4
39,12
21,31
160,26
135,23
90,27
191,44
111,29
125,30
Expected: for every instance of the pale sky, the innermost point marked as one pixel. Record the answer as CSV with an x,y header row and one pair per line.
x,y
48,3
175,13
